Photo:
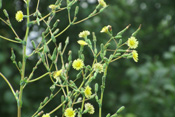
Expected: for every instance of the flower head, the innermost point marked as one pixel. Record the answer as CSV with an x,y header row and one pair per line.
x,y
57,73
84,34
81,42
69,112
52,6
102,3
46,115
106,29
19,16
78,64
132,42
87,92
135,55
89,108
98,67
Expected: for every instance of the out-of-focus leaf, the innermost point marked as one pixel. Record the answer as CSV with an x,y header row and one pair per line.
x,y
0,4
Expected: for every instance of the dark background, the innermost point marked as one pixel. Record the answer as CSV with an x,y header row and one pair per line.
x,y
146,88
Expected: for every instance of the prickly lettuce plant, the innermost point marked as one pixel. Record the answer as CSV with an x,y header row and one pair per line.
x,y
74,98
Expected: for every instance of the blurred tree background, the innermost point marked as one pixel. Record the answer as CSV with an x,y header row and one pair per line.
x,y
146,88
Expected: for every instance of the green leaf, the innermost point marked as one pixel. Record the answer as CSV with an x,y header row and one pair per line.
x,y
0,4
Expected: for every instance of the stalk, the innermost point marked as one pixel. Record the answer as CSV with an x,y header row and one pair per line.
x,y
23,61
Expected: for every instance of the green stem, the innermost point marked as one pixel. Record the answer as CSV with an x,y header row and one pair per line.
x,y
23,62
85,18
50,40
39,77
57,107
82,106
102,92
9,85
100,108
5,38
46,103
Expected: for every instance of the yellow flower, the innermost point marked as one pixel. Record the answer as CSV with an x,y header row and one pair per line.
x,y
84,34
104,29
87,92
78,64
89,108
52,6
69,112
57,73
132,42
98,67
81,42
19,16
102,3
46,115
135,55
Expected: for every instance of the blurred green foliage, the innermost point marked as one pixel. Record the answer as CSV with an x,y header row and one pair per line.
x,y
146,88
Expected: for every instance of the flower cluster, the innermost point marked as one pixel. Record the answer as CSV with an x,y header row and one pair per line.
x,y
133,44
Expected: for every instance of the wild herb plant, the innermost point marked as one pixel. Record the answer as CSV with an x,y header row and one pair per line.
x,y
63,83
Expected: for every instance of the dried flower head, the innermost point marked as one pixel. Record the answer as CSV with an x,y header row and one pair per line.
x,y
133,43
90,108
78,64
84,34
19,16
135,55
81,42
69,112
87,92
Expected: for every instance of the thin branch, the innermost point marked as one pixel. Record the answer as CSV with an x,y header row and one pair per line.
x,y
9,85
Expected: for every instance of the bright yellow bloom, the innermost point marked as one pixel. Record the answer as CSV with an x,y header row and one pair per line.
x,y
81,42
89,108
78,64
57,73
69,112
102,3
98,67
84,34
19,16
87,92
46,115
132,42
135,55
52,6
104,29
